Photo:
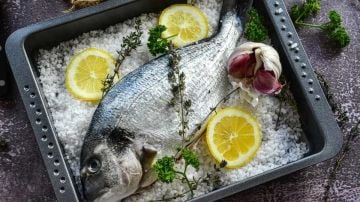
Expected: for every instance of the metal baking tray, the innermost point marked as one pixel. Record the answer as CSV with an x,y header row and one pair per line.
x,y
320,128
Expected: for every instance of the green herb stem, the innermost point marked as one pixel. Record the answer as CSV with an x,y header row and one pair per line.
x,y
191,188
310,25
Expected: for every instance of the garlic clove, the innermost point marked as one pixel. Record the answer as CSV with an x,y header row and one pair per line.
x,y
265,82
265,56
241,64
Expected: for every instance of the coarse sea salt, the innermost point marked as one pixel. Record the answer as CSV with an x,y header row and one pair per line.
x,y
72,117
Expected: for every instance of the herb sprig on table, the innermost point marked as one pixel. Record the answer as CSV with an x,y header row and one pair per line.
x,y
130,42
334,29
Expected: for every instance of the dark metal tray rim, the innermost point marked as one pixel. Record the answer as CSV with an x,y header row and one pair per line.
x,y
18,59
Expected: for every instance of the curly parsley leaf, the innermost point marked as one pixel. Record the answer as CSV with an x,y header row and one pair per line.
x,y
299,13
164,169
156,43
255,29
190,158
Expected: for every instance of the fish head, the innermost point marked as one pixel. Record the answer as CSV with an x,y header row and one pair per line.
x,y
109,171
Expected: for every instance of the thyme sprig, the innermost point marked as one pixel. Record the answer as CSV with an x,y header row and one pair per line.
x,y
130,42
164,167
214,179
177,82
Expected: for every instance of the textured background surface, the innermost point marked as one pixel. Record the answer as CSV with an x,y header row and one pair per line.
x,y
22,173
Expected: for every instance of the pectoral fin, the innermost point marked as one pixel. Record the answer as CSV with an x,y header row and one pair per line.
x,y
148,154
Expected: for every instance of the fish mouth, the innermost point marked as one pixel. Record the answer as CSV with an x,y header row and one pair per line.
x,y
107,195
93,191
96,195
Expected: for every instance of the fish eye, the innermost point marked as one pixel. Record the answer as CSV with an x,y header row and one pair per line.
x,y
94,165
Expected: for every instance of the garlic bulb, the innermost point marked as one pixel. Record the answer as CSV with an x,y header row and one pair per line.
x,y
256,68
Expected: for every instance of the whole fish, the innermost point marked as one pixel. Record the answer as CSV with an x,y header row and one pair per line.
x,y
134,123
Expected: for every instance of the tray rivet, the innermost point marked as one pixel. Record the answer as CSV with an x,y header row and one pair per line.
x,y
26,88
56,162
290,34
32,104
297,59
38,111
290,43
283,19
44,138
278,11
44,128
32,95
303,74
310,81
297,50
303,65
293,46
38,121
2,83
50,145
317,97
283,28
50,155
56,172
276,3
62,179
62,190
311,90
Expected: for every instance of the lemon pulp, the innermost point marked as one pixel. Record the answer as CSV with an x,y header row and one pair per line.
x,y
86,73
185,24
233,135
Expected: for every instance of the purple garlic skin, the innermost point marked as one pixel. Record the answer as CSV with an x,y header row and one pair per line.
x,y
242,65
265,82
258,62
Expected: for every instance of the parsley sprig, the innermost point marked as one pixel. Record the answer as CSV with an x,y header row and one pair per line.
x,y
334,29
299,13
255,29
165,169
156,43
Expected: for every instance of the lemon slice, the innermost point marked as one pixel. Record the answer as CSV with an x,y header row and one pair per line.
x,y
233,135
87,71
185,22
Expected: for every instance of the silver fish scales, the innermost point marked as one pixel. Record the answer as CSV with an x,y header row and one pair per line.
x,y
134,123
